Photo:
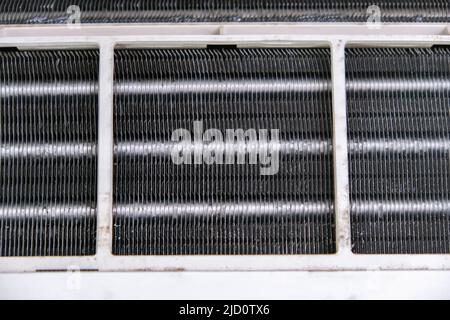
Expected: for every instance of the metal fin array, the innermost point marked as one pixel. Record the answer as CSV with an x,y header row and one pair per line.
x,y
142,11
399,132
163,208
48,152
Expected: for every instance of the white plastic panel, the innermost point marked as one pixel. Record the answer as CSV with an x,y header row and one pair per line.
x,y
336,37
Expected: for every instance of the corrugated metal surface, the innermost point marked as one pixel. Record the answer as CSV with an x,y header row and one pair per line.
x,y
399,135
162,208
48,152
141,11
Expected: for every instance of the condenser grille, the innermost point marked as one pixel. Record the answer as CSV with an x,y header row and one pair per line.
x,y
176,11
48,135
280,206
399,141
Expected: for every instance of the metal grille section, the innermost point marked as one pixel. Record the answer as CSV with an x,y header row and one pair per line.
x,y
162,208
399,135
48,134
141,11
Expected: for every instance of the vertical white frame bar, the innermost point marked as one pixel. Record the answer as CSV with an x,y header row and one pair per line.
x,y
105,152
340,150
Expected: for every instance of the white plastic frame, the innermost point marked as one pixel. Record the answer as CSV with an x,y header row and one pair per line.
x,y
334,36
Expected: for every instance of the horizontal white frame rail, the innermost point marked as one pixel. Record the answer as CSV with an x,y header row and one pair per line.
x,y
333,36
